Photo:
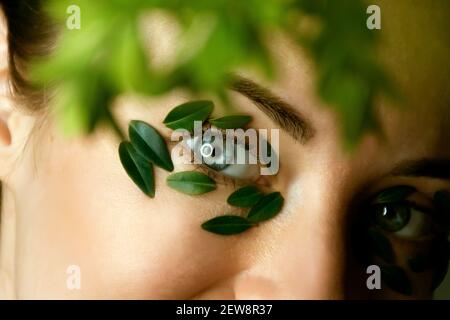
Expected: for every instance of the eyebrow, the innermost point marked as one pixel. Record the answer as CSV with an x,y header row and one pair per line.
x,y
282,113
432,168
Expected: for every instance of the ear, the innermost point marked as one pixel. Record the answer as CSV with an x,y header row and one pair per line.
x,y
5,137
15,125
15,128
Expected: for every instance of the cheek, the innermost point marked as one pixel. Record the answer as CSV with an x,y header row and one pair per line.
x,y
91,214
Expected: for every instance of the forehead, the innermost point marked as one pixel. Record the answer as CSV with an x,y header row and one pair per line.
x,y
414,49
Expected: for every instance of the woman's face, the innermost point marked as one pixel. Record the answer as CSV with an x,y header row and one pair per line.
x,y
72,204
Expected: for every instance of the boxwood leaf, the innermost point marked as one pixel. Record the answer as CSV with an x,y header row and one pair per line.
x,y
231,122
439,275
394,194
440,261
266,208
419,263
227,225
149,143
184,115
191,182
442,201
245,197
396,279
138,168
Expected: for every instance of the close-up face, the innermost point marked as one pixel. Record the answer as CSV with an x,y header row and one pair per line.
x,y
69,205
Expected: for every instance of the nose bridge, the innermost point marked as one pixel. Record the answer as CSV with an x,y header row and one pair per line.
x,y
317,236
309,261
315,252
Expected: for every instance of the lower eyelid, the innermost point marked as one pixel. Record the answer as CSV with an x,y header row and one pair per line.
x,y
421,223
216,176
424,241
430,212
260,181
251,172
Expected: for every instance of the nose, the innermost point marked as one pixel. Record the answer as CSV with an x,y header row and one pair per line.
x,y
307,257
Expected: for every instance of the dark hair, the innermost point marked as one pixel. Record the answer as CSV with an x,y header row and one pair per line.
x,y
29,32
29,37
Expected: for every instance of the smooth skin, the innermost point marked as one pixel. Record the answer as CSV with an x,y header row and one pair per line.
x,y
68,201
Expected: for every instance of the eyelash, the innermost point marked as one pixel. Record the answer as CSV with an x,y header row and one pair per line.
x,y
262,182
217,176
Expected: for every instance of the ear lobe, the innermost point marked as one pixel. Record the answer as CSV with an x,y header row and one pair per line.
x,y
5,114
5,135
15,127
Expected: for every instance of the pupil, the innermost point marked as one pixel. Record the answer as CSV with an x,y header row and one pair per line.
x,y
219,163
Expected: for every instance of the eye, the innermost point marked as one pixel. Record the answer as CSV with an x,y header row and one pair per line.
x,y
402,219
221,158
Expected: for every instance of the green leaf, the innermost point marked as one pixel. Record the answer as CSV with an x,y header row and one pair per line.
x,y
441,200
227,225
213,45
138,168
245,197
440,261
128,65
184,115
395,194
191,182
439,275
381,246
266,208
419,263
149,143
231,122
396,279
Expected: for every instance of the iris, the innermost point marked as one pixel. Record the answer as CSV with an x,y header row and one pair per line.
x,y
391,217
